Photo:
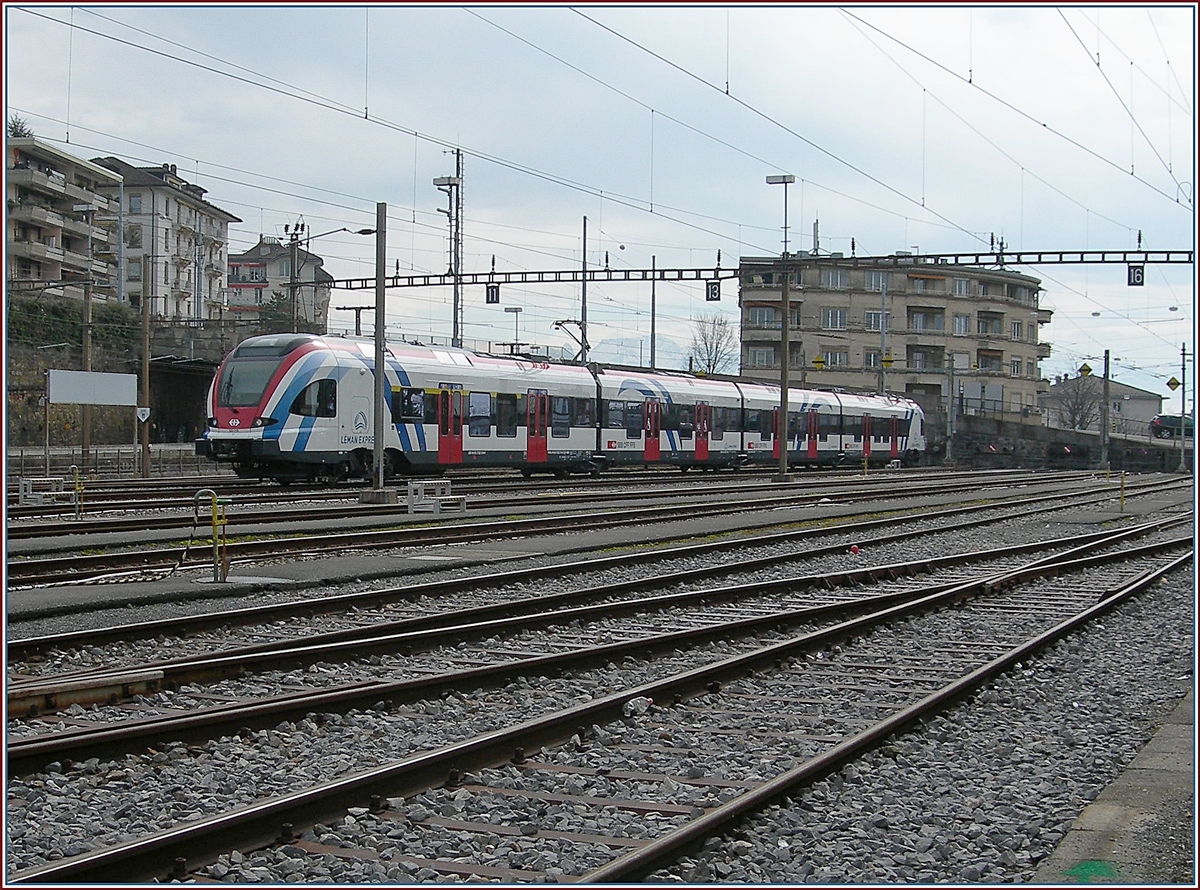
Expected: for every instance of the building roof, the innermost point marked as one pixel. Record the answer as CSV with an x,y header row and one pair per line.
x,y
164,177
33,146
270,249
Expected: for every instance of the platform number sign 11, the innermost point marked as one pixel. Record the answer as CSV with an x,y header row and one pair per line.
x,y
1137,276
493,293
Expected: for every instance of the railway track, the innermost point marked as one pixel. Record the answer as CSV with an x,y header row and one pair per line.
x,y
37,570
625,727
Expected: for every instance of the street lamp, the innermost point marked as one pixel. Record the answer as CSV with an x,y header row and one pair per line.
x,y
785,180
297,232
451,187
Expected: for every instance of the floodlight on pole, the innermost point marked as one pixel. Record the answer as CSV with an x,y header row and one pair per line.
x,y
785,180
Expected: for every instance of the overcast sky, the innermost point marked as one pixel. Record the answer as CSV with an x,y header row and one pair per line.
x,y
926,129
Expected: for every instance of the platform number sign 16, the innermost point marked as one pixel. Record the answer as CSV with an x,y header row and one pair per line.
x,y
712,291
1137,276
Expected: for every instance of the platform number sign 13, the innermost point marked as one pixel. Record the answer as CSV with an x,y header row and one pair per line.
x,y
1137,276
493,293
712,291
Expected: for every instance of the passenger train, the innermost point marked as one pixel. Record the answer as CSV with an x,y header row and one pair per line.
x,y
299,407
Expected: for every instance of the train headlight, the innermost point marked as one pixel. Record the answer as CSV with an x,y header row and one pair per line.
x,y
212,421
264,421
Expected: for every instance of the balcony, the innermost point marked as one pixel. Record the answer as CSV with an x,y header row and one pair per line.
x,y
36,214
46,183
36,250
214,270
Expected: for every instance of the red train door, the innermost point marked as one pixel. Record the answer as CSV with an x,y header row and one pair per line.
x,y
652,425
812,432
537,416
450,423
775,433
894,435
702,421
866,435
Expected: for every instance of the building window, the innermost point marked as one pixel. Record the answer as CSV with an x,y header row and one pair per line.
x,y
874,319
989,323
135,203
871,358
258,295
1018,330
962,324
918,285
760,356
962,287
1014,367
835,358
924,320
133,270
1021,294
285,268
834,279
833,319
1031,369
761,317
989,361
916,361
876,280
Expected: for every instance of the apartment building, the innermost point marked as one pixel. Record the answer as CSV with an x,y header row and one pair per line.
x,y
926,330
175,243
264,275
58,216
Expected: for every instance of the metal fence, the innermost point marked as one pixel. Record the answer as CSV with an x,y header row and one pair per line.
x,y
111,462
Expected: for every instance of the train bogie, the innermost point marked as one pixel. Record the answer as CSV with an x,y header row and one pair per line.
x,y
300,407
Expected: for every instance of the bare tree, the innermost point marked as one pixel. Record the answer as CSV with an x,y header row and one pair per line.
x,y
714,348
1076,402
18,127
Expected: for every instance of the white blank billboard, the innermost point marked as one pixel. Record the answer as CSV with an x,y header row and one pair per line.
x,y
92,388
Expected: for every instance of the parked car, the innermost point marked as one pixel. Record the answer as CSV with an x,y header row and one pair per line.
x,y
1167,426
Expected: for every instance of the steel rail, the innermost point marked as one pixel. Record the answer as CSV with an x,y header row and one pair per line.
x,y
636,865
525,613
34,571
167,853
21,649
105,741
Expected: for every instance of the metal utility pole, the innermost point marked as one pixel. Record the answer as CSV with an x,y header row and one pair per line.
x,y
380,368
1183,415
358,311
1104,409
293,282
883,335
784,359
451,186
583,301
653,282
86,426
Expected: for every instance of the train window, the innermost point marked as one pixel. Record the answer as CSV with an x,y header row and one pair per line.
x,y
766,424
750,421
408,404
560,417
684,417
583,412
318,399
431,406
720,422
633,420
616,415
506,415
479,414
827,425
852,426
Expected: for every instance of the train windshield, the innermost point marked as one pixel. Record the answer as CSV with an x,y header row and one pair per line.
x,y
243,381
248,369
